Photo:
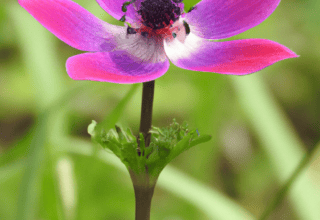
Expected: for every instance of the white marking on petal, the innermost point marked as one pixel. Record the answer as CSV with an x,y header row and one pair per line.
x,y
176,49
144,49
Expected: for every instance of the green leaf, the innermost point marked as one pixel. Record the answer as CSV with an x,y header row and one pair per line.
x,y
91,127
142,144
206,198
30,185
166,144
201,139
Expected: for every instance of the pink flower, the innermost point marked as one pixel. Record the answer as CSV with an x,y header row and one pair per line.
x,y
159,30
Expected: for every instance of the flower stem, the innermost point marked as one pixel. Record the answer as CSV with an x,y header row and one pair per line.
x,y
146,110
143,192
142,184
143,207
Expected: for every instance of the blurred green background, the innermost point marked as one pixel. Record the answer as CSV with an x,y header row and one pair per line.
x,y
262,125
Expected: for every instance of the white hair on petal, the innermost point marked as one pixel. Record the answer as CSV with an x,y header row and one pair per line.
x,y
180,50
143,48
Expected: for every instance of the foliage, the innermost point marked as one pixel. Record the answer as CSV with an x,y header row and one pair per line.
x,y
166,144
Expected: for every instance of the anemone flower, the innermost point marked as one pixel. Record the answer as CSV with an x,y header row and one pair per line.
x,y
158,30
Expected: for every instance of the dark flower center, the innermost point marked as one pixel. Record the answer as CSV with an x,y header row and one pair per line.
x,y
158,14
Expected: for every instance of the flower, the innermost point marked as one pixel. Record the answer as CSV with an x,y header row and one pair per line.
x,y
156,30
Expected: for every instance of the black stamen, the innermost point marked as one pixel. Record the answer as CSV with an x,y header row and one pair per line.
x,y
123,18
144,34
187,27
174,35
131,30
177,10
124,6
157,14
192,8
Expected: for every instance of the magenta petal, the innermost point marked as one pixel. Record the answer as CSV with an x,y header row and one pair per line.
x,y
237,57
73,24
114,8
217,19
116,67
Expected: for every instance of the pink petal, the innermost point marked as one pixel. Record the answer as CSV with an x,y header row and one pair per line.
x,y
73,24
115,67
114,8
136,59
217,19
237,57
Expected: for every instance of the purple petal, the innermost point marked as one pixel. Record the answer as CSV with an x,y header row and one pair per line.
x,y
73,24
114,8
115,67
217,19
136,59
237,57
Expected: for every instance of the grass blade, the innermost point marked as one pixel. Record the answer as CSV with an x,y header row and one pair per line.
x,y
279,140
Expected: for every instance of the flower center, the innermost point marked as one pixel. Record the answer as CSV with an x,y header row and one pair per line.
x,y
158,14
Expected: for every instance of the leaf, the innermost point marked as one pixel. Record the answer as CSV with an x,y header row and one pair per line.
x,y
201,139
